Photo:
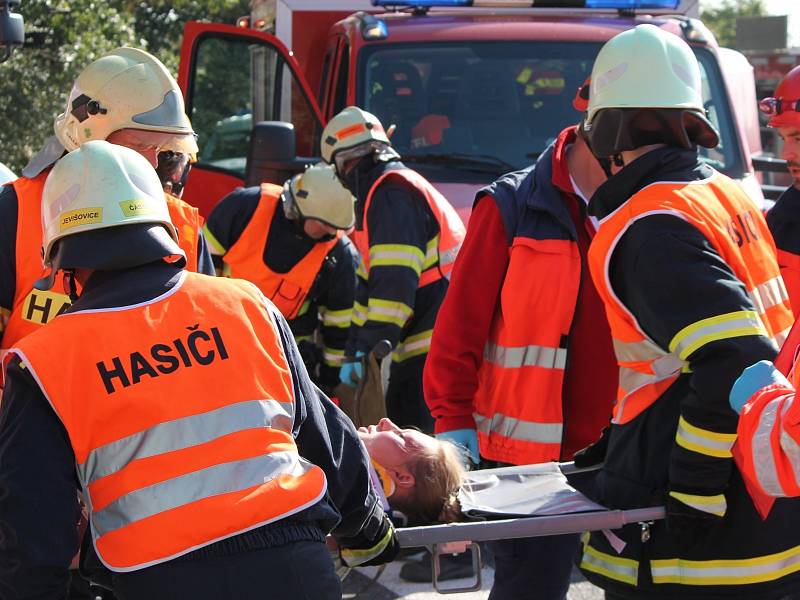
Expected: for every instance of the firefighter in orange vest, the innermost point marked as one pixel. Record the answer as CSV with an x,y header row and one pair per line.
x,y
521,368
686,268
408,236
290,242
129,98
784,218
210,464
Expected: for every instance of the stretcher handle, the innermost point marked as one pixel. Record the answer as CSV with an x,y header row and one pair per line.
x,y
525,527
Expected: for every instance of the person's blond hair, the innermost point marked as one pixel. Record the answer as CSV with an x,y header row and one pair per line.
x,y
438,475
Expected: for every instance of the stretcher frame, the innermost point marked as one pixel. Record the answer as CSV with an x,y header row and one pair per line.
x,y
433,537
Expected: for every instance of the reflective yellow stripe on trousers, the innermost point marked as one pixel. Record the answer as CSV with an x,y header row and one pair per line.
x,y
727,572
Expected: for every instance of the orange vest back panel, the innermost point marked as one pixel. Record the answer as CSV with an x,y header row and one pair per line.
x,y
736,229
245,259
451,227
180,413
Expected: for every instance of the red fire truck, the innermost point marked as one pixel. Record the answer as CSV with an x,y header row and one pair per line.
x,y
475,88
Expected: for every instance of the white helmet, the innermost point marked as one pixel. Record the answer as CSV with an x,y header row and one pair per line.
x,y
125,89
351,134
103,208
646,88
318,194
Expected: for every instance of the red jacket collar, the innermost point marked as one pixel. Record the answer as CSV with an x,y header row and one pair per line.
x,y
561,177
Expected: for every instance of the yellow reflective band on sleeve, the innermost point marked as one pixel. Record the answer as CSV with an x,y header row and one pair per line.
x,y
396,255
715,505
431,253
413,345
730,325
704,441
359,314
389,311
613,567
352,557
727,572
214,246
333,357
336,318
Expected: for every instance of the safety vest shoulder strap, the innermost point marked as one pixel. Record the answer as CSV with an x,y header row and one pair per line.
x,y
188,222
245,258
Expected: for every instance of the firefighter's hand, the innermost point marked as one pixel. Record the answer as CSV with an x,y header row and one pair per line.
x,y
686,524
752,379
352,371
594,453
466,440
383,548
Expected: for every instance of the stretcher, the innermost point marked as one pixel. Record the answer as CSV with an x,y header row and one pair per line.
x,y
518,502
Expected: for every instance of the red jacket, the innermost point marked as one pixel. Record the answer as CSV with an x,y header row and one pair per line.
x,y
463,322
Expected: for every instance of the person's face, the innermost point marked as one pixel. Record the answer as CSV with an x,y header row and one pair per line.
x,y
392,448
318,230
791,151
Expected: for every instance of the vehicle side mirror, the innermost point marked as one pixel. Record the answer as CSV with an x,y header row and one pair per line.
x,y
12,28
271,157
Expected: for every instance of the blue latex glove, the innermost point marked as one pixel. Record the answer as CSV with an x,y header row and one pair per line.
x,y
466,438
352,371
752,379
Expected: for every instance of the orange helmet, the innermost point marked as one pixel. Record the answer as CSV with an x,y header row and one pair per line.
x,y
784,108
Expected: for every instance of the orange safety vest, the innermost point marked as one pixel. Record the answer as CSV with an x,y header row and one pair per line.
x,y
451,228
518,406
33,308
245,259
175,449
189,223
736,229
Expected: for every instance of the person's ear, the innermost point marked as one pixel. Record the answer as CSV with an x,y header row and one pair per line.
x,y
404,479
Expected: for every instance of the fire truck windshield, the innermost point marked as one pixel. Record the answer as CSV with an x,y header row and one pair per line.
x,y
500,102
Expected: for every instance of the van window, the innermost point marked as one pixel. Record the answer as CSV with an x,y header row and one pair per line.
x,y
225,101
497,100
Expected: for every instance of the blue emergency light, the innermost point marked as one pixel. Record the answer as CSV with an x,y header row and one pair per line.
x,y
610,4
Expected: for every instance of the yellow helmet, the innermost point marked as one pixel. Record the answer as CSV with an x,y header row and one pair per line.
x,y
100,187
351,134
125,89
318,194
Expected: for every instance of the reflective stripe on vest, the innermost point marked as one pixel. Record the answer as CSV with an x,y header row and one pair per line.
x,y
518,403
447,243
524,431
33,307
726,217
174,448
245,259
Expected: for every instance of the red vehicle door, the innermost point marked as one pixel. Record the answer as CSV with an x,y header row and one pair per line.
x,y
232,78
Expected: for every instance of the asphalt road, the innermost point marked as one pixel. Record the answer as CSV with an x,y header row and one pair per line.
x,y
361,584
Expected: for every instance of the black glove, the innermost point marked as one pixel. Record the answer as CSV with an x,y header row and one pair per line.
x,y
594,453
686,525
382,548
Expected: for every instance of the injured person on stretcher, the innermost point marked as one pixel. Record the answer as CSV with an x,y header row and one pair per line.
x,y
424,479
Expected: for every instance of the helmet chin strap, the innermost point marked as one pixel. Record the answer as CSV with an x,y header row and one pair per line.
x,y
71,285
